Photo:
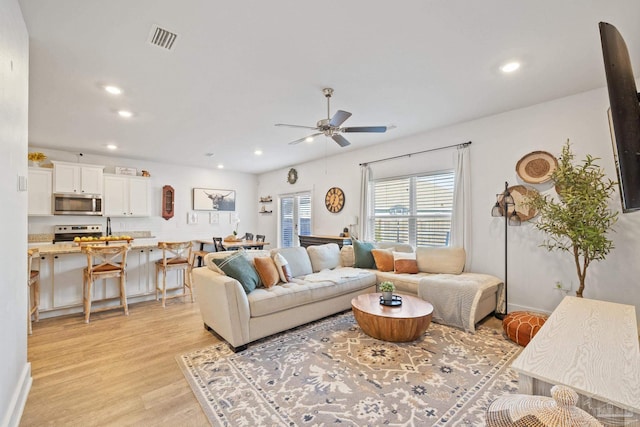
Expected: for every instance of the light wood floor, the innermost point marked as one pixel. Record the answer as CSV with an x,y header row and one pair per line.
x,y
117,370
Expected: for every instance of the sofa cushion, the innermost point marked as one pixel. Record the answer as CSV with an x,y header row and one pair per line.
x,y
298,260
383,259
267,270
363,256
404,262
241,269
283,268
347,257
443,260
324,256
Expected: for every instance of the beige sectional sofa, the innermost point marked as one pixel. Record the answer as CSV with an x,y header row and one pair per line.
x,y
322,281
314,292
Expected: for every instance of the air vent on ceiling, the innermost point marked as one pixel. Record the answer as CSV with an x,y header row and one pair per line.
x,y
162,38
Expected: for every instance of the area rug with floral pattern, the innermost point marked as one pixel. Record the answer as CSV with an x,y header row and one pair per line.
x,y
330,372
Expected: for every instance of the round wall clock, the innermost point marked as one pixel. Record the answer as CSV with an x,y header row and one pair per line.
x,y
292,176
334,200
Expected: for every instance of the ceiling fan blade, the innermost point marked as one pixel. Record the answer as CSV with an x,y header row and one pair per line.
x,y
376,129
296,126
339,118
298,141
341,140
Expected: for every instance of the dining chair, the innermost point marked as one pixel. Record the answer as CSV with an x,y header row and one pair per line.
x,y
175,256
259,238
104,262
248,236
33,284
217,242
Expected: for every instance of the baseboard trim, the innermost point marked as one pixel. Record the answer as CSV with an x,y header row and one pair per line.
x,y
19,399
517,307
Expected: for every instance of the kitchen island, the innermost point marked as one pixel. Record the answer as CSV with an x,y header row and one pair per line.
x,y
61,267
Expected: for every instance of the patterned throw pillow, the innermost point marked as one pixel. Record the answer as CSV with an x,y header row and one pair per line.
x,y
238,267
362,252
383,259
283,268
405,262
267,270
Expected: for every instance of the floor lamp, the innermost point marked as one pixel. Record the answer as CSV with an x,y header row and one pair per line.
x,y
506,207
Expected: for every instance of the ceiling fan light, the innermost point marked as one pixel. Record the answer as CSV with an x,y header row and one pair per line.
x,y
309,139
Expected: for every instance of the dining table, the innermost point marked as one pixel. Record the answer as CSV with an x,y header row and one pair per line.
x,y
230,245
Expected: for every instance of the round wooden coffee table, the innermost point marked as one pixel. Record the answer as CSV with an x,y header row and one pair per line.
x,y
403,323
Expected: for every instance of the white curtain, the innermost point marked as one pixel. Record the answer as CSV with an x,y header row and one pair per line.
x,y
363,223
461,218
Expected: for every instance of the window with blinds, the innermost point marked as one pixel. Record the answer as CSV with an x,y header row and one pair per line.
x,y
415,209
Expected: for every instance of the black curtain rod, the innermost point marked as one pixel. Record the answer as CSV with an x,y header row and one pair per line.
x,y
464,144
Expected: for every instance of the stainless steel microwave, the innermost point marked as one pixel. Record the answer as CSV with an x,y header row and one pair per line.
x,y
77,204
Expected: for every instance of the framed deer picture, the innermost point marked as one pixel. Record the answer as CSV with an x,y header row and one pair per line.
x,y
208,199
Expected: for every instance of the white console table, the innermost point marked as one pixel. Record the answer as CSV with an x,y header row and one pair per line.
x,y
592,347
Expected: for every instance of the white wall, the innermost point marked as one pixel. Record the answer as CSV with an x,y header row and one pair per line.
x,y
498,142
15,372
183,180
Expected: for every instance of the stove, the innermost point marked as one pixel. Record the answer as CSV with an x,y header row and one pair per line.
x,y
66,233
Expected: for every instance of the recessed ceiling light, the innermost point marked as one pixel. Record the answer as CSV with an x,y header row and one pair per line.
x,y
510,67
125,113
113,90
112,146
258,152
309,139
220,166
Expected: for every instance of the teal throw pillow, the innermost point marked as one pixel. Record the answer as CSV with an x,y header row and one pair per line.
x,y
363,255
238,267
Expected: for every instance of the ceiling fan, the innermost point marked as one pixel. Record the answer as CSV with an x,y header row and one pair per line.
x,y
330,126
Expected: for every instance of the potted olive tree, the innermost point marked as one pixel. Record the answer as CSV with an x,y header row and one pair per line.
x,y
579,220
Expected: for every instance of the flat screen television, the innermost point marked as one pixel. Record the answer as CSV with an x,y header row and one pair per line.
x,y
624,115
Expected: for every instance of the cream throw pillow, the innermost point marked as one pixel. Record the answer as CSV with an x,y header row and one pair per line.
x,y
283,268
444,260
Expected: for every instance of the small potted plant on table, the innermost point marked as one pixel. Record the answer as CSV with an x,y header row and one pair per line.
x,y
387,289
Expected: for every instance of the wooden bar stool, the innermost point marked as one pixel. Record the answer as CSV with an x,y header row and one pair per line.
x,y
175,256
33,285
104,262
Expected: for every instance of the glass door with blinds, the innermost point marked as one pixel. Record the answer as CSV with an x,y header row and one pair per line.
x,y
295,218
415,209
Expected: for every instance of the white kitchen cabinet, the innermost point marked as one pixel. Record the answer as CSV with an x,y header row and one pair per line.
x,y
39,191
77,178
138,272
46,281
67,279
126,196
